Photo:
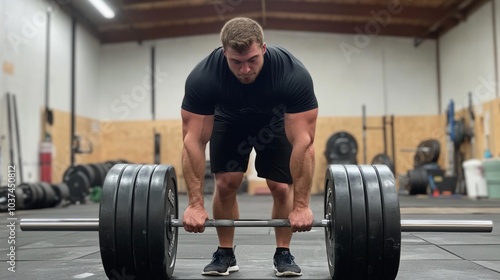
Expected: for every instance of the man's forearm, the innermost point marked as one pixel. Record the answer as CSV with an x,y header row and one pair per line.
x,y
302,169
193,165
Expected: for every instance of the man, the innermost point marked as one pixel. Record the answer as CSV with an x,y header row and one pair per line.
x,y
246,95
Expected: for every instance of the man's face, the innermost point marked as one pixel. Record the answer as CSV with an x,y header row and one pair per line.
x,y
246,66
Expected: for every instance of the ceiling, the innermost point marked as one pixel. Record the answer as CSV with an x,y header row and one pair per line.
x,y
138,20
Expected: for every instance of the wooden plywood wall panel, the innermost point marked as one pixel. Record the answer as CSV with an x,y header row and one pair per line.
x,y
495,128
131,140
86,128
89,132
134,142
171,148
410,131
60,133
486,131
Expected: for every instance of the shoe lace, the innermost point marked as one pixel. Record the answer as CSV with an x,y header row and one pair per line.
x,y
286,258
219,257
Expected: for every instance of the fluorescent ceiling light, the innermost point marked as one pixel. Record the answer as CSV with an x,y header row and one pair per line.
x,y
103,8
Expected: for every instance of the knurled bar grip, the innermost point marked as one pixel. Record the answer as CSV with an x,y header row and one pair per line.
x,y
406,225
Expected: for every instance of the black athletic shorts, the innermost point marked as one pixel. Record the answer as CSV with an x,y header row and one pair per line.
x,y
231,144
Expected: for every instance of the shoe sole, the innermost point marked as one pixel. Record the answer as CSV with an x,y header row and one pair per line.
x,y
216,273
286,273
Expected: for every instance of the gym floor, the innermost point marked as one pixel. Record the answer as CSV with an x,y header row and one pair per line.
x,y
75,255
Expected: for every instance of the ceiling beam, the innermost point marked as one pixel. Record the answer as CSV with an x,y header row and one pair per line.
x,y
453,16
163,32
462,16
356,9
167,31
225,10
185,12
342,27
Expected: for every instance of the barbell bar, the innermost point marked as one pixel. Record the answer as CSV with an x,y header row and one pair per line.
x,y
92,224
139,220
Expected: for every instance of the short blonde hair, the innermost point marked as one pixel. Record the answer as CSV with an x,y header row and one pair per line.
x,y
240,33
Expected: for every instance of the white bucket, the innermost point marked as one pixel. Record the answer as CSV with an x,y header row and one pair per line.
x,y
474,179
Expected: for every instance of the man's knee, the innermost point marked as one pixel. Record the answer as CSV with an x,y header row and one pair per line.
x,y
280,191
227,184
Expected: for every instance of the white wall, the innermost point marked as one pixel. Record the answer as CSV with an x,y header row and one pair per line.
x,y
60,61
124,82
87,74
23,47
384,73
23,44
176,58
467,64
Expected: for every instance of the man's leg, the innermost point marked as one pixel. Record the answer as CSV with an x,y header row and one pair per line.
x,y
225,204
283,260
283,203
228,163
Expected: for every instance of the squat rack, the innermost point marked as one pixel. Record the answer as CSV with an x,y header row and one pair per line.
x,y
385,121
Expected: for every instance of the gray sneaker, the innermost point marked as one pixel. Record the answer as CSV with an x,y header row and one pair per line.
x,y
222,263
284,265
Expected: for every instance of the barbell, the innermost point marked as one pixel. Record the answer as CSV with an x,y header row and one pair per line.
x,y
138,222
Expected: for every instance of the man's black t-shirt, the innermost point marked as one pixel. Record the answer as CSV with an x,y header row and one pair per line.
x,y
283,86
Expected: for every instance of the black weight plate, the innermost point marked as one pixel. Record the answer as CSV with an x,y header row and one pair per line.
x,y
358,223
105,167
341,148
86,170
89,173
62,192
68,172
375,221
109,164
431,154
98,177
29,194
140,221
459,132
4,199
49,196
392,223
104,171
78,185
19,198
339,234
123,219
418,181
162,238
383,159
107,228
36,188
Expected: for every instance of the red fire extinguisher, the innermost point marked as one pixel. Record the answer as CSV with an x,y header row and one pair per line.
x,y
46,162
